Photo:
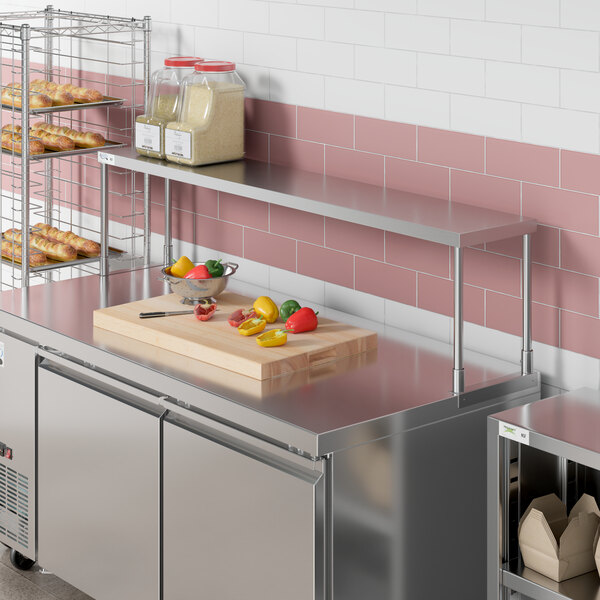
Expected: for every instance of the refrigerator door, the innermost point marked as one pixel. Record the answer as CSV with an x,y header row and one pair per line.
x,y
238,522
99,480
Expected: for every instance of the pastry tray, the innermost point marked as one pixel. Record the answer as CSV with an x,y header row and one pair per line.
x,y
108,101
56,264
54,154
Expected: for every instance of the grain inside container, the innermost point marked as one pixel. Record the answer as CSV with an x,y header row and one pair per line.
x,y
210,123
162,105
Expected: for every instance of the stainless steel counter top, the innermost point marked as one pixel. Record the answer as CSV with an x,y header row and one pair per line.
x,y
423,217
405,383
571,419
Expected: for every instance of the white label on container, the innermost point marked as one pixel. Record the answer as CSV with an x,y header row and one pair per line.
x,y
108,159
512,432
178,143
1,354
147,137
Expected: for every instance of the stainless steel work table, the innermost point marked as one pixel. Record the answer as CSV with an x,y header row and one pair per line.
x,y
388,446
549,446
401,385
396,459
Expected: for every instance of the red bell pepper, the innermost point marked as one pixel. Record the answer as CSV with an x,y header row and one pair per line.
x,y
204,313
199,272
302,320
239,316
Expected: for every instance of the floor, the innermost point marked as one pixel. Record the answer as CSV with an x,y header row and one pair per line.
x,y
33,584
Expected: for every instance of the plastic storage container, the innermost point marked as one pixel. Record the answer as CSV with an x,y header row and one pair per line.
x,y
162,105
210,122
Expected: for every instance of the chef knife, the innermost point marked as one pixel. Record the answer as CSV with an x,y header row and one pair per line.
x,y
151,315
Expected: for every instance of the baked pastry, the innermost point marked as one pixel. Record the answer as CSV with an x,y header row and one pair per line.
x,y
59,98
83,246
80,94
11,96
51,141
14,251
62,252
83,139
13,141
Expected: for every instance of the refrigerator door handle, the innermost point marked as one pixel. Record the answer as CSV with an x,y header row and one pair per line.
x,y
104,383
309,470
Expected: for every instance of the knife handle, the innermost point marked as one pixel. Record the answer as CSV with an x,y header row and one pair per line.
x,y
150,315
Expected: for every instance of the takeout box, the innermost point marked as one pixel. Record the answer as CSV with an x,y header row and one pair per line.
x,y
597,549
555,545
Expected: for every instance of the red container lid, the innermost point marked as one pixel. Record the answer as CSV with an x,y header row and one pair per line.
x,y
215,66
182,61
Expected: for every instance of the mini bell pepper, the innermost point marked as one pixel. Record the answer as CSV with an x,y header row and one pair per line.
x,y
215,268
199,272
272,338
181,267
265,307
252,326
239,316
288,308
302,320
204,313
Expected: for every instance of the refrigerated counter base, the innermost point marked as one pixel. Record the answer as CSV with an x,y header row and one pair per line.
x,y
159,476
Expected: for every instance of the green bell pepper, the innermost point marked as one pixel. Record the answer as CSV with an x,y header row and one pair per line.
x,y
215,268
288,308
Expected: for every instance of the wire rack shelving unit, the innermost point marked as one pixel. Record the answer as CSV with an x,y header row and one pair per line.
x,y
111,55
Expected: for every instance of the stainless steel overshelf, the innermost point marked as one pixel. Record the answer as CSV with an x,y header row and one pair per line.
x,y
400,386
423,217
536,586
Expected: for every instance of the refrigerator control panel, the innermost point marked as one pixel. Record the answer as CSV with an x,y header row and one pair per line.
x,y
5,451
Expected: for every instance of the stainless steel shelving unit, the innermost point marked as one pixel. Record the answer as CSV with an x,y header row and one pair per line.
x,y
450,223
110,54
549,446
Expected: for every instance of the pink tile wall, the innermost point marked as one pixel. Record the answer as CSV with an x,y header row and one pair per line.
x,y
558,188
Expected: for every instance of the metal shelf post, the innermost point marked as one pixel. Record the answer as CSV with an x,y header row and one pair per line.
x,y
458,379
527,352
147,192
168,250
25,40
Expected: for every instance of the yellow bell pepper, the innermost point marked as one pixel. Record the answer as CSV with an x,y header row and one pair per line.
x,y
274,337
182,266
252,326
265,307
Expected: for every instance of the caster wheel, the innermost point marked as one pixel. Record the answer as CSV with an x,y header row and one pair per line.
x,y
20,562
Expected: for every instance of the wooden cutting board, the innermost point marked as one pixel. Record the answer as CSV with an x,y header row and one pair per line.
x,y
217,343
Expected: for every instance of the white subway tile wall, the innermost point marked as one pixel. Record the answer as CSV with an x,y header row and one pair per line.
x,y
355,97
420,107
580,90
569,129
431,61
525,12
523,83
483,116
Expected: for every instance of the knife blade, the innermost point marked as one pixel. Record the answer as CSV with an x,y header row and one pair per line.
x,y
152,315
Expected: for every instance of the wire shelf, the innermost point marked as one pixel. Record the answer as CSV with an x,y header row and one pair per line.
x,y
69,107
63,153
